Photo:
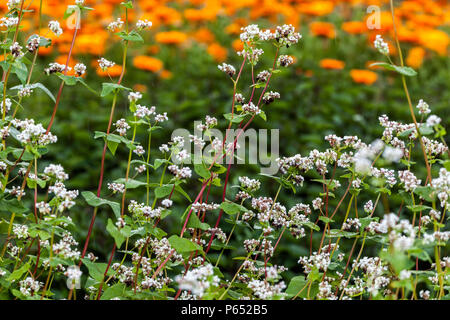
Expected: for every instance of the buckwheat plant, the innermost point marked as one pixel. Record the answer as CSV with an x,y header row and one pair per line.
x,y
361,184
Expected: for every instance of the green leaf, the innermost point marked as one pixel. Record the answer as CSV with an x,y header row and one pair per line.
x,y
132,36
194,222
406,71
297,283
94,201
425,192
119,238
17,274
131,183
96,270
113,292
234,118
232,208
108,87
163,191
418,208
325,219
182,245
12,205
202,171
34,86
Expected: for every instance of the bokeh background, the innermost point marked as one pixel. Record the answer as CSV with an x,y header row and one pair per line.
x,y
331,87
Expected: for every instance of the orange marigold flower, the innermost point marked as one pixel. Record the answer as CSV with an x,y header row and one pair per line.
x,y
332,64
435,40
148,63
363,76
165,74
114,71
218,52
237,45
317,8
171,37
415,57
204,35
324,29
354,27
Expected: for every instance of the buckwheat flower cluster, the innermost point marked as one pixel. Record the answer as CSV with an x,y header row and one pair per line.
x,y
251,54
20,231
386,174
25,91
393,154
227,68
143,24
285,61
251,108
16,50
105,64
352,223
198,280
374,272
180,173
381,45
29,286
115,25
319,260
270,97
8,22
263,76
141,210
13,4
8,105
433,120
265,290
442,186
161,117
63,248
203,207
285,35
139,150
134,96
55,67
239,98
434,148
33,43
393,129
56,171
248,184
423,107
65,197
116,187
210,122
80,69
368,206
73,274
33,133
250,33
409,180
122,126
143,111
55,27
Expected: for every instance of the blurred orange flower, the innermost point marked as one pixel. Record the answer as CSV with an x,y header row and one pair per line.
x,y
324,29
218,52
317,8
332,64
354,27
171,37
363,76
415,57
148,63
435,40
114,71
